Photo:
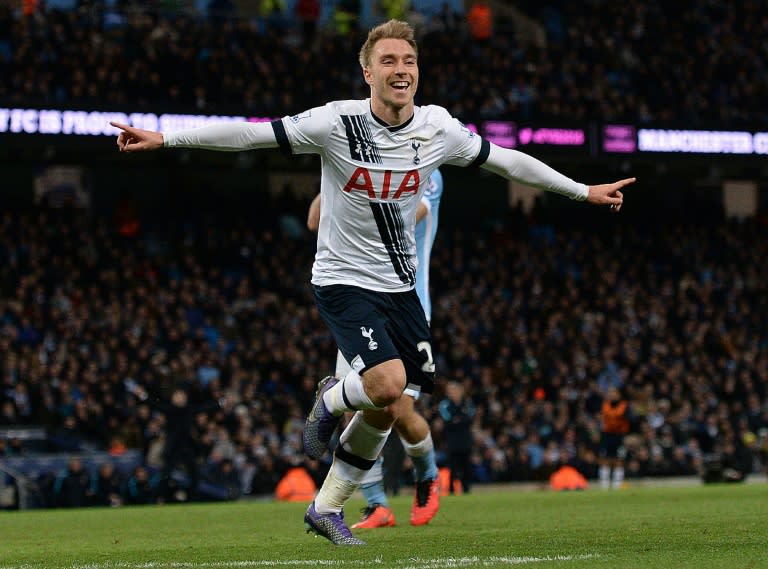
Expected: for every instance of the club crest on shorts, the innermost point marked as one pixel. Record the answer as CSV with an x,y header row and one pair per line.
x,y
372,344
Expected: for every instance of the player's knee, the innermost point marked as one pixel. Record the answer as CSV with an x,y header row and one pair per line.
x,y
388,393
385,383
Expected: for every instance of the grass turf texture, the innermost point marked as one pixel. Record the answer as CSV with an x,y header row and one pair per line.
x,y
696,527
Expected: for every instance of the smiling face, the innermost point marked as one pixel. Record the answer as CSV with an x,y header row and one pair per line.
x,y
393,74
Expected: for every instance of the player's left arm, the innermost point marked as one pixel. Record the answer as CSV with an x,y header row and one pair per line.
x,y
422,210
313,216
514,165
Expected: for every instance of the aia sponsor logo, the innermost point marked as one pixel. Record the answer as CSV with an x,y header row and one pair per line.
x,y
390,189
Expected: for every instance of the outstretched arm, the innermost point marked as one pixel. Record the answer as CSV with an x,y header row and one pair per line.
x,y
526,169
226,136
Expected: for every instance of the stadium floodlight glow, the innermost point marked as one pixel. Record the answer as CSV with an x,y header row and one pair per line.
x,y
695,141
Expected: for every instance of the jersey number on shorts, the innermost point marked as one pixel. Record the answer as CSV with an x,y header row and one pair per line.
x,y
429,365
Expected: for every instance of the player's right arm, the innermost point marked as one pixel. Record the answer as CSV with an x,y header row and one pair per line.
x,y
230,137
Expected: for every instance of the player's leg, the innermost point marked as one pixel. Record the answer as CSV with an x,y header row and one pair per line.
x,y
357,318
607,458
362,440
359,446
416,437
617,480
377,513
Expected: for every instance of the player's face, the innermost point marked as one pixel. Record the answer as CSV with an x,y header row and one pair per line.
x,y
393,74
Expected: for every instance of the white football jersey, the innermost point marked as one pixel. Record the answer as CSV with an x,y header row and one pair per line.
x,y
373,177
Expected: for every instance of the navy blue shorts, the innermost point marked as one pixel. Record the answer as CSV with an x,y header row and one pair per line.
x,y
612,445
373,327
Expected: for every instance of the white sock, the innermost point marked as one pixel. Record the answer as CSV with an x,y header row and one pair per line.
x,y
348,395
420,448
605,476
618,476
359,447
375,474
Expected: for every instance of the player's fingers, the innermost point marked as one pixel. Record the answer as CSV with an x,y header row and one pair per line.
x,y
122,126
616,199
122,140
133,145
625,182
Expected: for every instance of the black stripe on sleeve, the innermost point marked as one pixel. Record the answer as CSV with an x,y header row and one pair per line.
x,y
482,156
282,137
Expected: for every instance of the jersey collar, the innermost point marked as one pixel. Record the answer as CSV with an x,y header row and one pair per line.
x,y
389,127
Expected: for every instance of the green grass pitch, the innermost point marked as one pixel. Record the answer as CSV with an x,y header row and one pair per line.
x,y
668,528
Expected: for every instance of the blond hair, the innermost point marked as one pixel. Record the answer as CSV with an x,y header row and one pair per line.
x,y
393,29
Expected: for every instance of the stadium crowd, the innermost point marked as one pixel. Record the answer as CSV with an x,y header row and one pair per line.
x,y
98,329
639,61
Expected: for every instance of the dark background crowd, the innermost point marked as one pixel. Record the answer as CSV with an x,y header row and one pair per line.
x,y
104,320
536,317
639,60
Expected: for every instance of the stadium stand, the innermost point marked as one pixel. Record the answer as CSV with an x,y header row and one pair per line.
x,y
99,325
626,61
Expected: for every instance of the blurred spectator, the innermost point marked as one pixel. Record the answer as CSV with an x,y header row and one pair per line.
x,y
480,19
308,14
220,473
106,488
457,412
182,441
142,487
72,486
393,9
616,422
345,17
736,462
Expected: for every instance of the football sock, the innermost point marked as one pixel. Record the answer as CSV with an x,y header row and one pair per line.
x,y
423,457
348,395
372,486
359,447
618,476
604,473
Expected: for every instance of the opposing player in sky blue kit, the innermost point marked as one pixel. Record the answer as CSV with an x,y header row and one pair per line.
x,y
411,427
376,156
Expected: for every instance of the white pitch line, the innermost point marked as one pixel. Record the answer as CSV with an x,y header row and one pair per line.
x,y
413,563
